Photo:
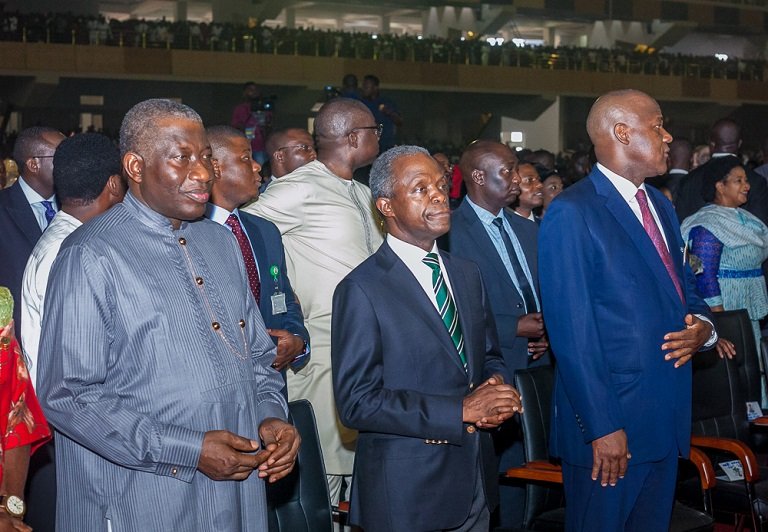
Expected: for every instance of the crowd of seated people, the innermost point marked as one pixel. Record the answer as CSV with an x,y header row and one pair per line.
x,y
260,38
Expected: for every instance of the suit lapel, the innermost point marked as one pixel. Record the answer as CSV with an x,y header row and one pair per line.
x,y
22,215
260,252
399,280
485,245
634,229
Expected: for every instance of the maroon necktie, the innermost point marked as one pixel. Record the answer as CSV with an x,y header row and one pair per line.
x,y
245,248
649,224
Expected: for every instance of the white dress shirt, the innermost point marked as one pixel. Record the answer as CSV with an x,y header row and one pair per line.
x,y
36,202
413,257
627,190
35,281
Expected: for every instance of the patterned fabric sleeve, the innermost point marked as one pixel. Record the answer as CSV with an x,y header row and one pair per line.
x,y
708,249
21,418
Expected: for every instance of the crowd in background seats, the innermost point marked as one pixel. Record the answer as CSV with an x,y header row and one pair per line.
x,y
259,38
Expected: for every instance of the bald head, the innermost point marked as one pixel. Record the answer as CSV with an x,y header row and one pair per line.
x,y
473,157
627,130
338,116
490,173
725,136
347,136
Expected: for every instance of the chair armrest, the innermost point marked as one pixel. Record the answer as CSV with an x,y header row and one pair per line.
x,y
735,447
761,421
704,465
537,470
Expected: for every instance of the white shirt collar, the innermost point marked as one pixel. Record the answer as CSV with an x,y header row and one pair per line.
x,y
219,214
31,194
410,254
625,187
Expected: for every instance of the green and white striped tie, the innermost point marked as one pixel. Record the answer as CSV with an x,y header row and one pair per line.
x,y
446,306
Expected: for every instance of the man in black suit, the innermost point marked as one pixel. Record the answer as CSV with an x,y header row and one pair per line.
x,y
724,141
416,367
678,166
237,182
26,207
504,247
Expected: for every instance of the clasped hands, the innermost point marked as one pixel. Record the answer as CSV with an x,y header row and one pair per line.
x,y
491,403
227,456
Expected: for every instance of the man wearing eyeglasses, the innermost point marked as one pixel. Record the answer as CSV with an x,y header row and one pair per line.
x,y
328,227
26,207
288,150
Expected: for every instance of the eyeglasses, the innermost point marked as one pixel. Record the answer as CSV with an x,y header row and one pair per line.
x,y
298,147
41,157
378,129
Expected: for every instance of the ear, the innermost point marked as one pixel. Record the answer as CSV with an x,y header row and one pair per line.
x,y
621,132
115,185
352,139
32,165
278,156
478,176
384,205
719,187
133,166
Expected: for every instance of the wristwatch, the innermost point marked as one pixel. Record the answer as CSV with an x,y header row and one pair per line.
x,y
13,505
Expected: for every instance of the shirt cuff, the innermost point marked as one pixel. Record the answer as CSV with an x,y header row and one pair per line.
x,y
713,337
180,453
302,358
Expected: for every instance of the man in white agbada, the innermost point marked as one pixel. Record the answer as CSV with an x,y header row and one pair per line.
x,y
328,226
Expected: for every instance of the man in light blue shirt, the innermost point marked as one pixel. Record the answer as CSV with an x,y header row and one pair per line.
x,y
504,247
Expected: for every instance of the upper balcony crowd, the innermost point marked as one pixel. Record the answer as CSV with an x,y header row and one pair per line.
x,y
228,37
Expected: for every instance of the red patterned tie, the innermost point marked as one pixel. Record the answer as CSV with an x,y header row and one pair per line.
x,y
245,248
658,241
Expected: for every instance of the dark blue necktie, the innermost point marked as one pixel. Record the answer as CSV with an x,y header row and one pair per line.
x,y
50,212
525,287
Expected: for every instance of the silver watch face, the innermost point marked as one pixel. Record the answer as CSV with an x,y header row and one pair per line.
x,y
14,505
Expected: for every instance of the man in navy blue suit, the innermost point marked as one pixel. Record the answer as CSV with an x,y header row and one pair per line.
x,y
26,207
237,182
505,249
416,367
623,319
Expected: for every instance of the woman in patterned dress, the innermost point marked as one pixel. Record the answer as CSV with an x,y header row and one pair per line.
x,y
22,428
731,244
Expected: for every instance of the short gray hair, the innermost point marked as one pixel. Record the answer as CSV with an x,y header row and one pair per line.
x,y
138,132
381,172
